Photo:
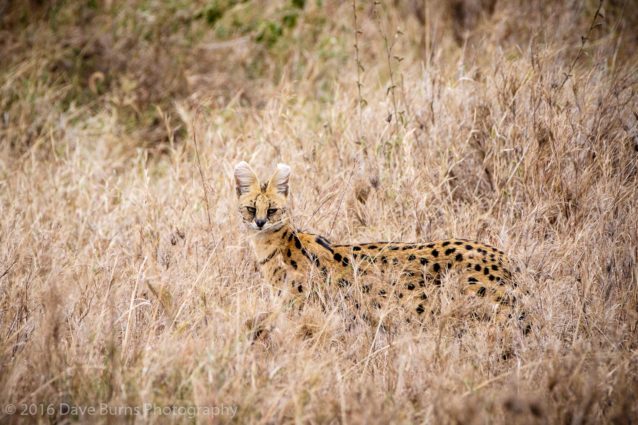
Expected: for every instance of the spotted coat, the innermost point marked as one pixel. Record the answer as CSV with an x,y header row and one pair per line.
x,y
372,274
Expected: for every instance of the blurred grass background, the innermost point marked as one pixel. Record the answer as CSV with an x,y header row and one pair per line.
x,y
124,278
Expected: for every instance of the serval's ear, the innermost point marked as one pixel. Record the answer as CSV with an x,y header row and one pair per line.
x,y
245,178
279,181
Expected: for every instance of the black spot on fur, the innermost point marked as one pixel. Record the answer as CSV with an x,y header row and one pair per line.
x,y
324,243
400,294
395,261
411,286
420,309
412,257
491,277
345,262
494,267
423,261
422,283
458,243
450,251
310,256
436,267
430,245
372,247
297,243
365,289
435,253
337,257
446,243
293,263
343,283
472,280
477,267
486,271
269,257
288,253
384,260
300,288
393,248
423,296
459,257
356,248
382,293
469,247
481,291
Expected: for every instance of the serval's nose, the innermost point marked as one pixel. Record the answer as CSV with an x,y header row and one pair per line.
x,y
260,222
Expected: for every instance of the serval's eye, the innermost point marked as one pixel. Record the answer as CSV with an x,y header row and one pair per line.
x,y
251,210
271,211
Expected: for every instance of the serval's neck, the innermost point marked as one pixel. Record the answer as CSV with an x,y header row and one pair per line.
x,y
265,242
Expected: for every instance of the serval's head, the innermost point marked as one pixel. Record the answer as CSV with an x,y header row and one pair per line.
x,y
262,205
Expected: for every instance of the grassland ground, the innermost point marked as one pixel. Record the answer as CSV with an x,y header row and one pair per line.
x,y
125,278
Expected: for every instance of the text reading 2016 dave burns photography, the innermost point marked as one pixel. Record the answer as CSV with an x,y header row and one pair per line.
x,y
104,409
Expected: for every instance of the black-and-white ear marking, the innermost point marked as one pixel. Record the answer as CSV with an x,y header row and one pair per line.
x,y
279,180
245,178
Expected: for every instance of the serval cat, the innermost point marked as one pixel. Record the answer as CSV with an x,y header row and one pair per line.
x,y
370,273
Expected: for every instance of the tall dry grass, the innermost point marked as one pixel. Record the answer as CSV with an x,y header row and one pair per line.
x,y
125,279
